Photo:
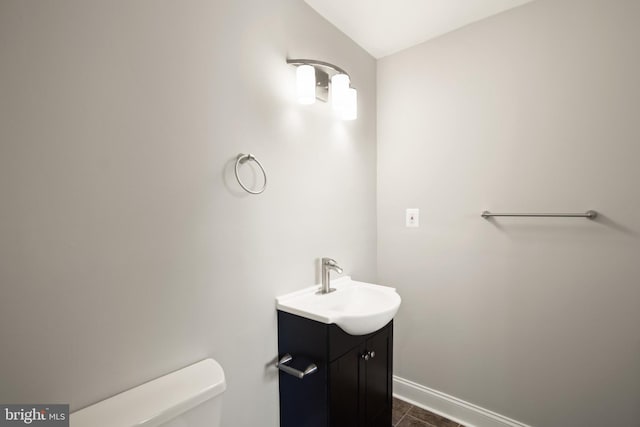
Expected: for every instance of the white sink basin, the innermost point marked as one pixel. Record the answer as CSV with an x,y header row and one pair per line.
x,y
358,308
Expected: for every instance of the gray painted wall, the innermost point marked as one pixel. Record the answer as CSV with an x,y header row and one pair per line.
x,y
532,110
127,249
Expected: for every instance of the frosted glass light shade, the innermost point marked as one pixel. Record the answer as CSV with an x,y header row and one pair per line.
x,y
350,111
339,92
306,84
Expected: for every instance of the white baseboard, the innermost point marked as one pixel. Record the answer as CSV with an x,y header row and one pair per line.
x,y
455,409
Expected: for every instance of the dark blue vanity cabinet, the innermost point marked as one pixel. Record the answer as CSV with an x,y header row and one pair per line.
x,y
352,386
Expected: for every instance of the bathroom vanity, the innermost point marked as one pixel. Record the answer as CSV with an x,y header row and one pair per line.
x,y
352,385
336,355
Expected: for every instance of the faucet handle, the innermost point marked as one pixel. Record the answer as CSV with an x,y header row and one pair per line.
x,y
329,261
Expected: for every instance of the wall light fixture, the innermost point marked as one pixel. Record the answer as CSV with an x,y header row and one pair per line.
x,y
313,82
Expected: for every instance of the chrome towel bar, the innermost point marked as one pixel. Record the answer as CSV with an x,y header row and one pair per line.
x,y
588,214
293,371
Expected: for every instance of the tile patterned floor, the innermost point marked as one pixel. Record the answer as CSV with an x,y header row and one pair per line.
x,y
407,415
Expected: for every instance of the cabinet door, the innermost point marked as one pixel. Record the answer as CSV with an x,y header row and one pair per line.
x,y
346,399
378,379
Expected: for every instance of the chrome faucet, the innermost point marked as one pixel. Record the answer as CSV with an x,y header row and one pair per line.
x,y
327,265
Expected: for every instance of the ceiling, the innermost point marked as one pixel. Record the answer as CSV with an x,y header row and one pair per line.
x,y
383,27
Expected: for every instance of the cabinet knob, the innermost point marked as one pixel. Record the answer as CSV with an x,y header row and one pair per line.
x,y
368,355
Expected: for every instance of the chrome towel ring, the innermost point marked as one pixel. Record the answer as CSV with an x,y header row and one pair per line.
x,y
242,158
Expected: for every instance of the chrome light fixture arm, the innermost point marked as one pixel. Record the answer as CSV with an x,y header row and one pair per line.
x,y
317,63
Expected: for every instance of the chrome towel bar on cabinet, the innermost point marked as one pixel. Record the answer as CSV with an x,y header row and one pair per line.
x,y
588,214
293,371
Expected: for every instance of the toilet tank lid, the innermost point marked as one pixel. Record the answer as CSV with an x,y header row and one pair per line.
x,y
156,401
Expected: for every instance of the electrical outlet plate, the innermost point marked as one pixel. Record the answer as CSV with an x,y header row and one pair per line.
x,y
413,218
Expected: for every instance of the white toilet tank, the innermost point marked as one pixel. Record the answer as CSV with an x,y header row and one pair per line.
x,y
190,397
